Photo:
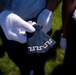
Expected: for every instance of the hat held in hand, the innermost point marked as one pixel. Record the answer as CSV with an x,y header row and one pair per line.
x,y
39,42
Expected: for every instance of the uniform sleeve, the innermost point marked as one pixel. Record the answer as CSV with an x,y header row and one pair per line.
x,y
5,4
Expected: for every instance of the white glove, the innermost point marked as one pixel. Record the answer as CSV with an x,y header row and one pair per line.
x,y
74,15
63,43
31,22
45,20
23,32
11,24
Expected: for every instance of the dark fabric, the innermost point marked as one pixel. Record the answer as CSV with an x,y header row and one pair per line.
x,y
2,52
58,70
2,37
39,42
1,72
69,63
17,52
70,55
5,4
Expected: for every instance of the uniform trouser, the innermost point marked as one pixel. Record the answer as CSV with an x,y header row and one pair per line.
x,y
69,63
17,52
70,54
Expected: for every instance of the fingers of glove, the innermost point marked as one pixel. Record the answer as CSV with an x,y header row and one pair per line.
x,y
17,37
45,29
31,22
45,20
63,43
63,46
45,25
17,22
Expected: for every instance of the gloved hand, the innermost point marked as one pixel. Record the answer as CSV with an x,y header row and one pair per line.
x,y
63,43
11,25
45,20
23,32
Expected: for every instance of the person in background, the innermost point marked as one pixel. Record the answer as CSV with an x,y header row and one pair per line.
x,y
68,39
14,18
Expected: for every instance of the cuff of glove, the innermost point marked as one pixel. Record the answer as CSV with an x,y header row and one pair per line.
x,y
4,14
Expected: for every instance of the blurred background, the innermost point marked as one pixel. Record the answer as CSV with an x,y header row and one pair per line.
x,y
56,55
